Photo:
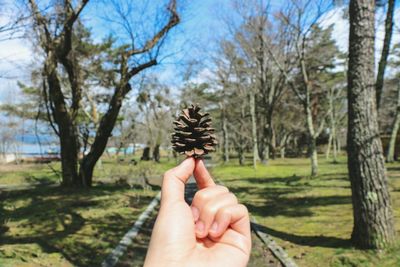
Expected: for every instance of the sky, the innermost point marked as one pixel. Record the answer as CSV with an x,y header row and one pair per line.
x,y
194,38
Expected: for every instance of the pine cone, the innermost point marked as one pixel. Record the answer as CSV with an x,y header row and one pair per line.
x,y
193,133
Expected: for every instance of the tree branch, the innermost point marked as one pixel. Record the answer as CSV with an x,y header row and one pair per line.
x,y
150,44
136,70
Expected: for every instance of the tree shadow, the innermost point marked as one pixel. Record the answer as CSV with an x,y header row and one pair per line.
x,y
312,241
50,218
283,180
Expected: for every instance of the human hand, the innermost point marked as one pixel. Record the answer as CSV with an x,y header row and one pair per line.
x,y
214,231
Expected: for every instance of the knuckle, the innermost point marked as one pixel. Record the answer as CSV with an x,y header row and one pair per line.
x,y
233,197
244,208
201,196
222,188
209,210
225,213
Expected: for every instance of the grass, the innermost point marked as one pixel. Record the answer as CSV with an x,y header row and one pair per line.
x,y
11,174
310,217
52,226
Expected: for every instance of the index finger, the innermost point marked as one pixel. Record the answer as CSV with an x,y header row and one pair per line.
x,y
202,176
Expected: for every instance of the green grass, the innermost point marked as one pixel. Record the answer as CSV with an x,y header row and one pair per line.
x,y
310,217
52,226
11,174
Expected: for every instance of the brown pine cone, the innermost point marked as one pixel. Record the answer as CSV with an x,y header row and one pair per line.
x,y
192,134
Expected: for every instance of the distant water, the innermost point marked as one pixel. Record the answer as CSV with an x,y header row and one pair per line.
x,y
28,144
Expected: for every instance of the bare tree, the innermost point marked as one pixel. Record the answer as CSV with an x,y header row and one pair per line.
x,y
373,217
300,27
56,32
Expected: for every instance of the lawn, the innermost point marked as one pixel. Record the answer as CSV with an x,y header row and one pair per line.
x,y
309,217
50,226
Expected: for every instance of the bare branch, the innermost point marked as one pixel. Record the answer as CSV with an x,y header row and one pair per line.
x,y
150,44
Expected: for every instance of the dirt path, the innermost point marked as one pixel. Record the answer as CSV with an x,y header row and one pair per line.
x,y
260,256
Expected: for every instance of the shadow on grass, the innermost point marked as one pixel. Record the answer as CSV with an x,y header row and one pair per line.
x,y
289,197
52,218
269,180
312,241
276,204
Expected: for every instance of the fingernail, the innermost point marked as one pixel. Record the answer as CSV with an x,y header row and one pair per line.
x,y
214,227
199,227
195,212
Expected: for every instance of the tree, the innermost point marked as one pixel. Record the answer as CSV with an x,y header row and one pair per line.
x,y
394,130
313,56
156,108
373,218
57,29
385,51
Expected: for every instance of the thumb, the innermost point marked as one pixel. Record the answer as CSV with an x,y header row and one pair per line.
x,y
173,185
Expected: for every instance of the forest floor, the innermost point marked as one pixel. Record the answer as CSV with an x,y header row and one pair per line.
x,y
311,218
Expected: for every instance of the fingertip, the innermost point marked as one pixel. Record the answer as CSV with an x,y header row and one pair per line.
x,y
203,177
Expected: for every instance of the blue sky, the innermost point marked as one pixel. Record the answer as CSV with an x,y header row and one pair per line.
x,y
194,38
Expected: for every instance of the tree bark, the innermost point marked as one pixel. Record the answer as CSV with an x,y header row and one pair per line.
x,y
385,51
156,153
312,149
395,129
254,128
146,154
225,135
373,218
69,144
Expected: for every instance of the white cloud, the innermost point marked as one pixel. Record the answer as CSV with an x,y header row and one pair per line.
x,y
341,28
204,76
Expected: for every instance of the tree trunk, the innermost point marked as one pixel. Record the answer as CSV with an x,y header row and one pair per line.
x,y
68,136
225,137
146,154
312,149
328,149
69,159
385,52
335,149
282,151
313,157
241,157
373,218
103,133
394,131
254,129
156,153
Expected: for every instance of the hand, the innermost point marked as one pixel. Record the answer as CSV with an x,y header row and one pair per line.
x,y
214,231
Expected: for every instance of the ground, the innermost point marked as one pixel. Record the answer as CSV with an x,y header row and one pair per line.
x,y
50,226
310,217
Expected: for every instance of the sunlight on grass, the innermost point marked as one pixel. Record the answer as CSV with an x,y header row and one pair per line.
x,y
310,217
51,226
